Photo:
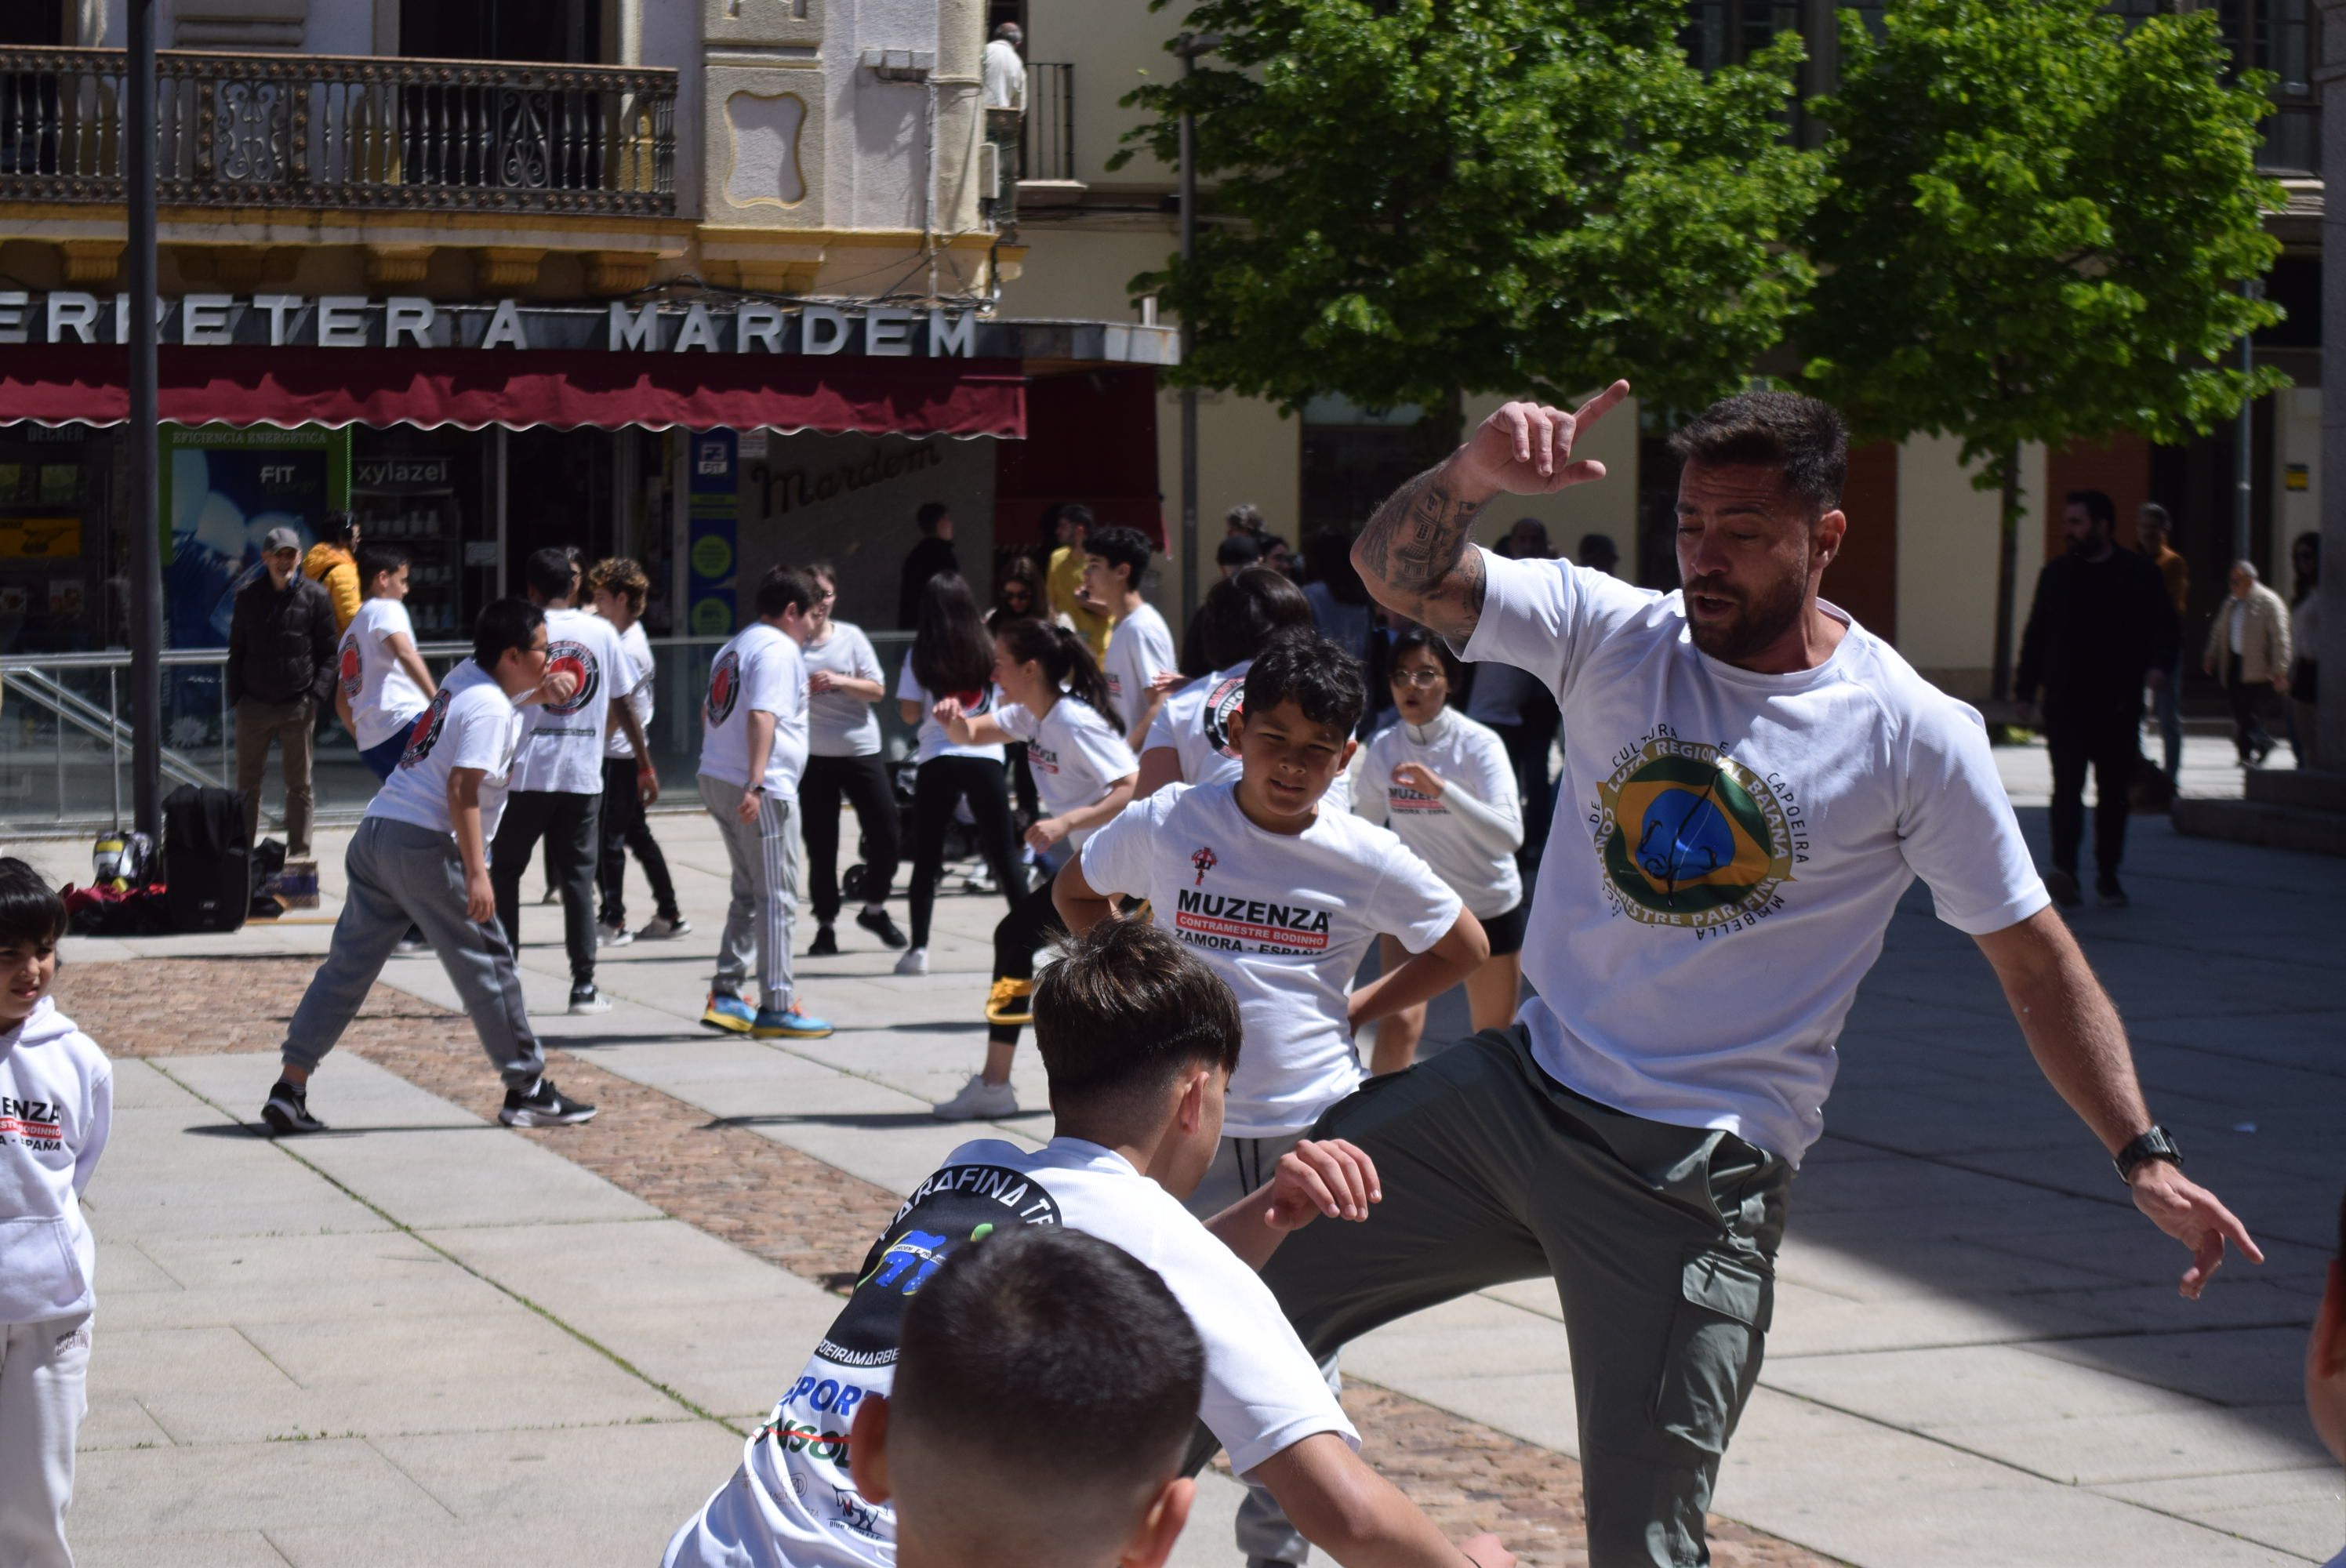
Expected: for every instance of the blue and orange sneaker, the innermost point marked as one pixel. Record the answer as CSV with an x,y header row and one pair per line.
x,y
730,1014
792,1022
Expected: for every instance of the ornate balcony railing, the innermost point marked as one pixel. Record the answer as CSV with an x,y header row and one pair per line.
x,y
328,131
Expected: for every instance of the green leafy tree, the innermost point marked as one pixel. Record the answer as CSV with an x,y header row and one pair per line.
x,y
1416,197
2037,226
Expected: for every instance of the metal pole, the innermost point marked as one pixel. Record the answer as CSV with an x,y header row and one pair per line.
x,y
1187,47
2244,442
147,544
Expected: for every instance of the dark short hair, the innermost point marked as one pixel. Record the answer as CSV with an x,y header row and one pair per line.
x,y
1076,513
2100,510
930,511
375,559
1409,639
1124,1011
1803,438
339,527
1242,615
1238,550
1122,547
506,623
1039,1339
2152,512
1596,548
548,572
785,589
1317,674
30,909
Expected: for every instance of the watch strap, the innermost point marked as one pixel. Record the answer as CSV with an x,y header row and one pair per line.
x,y
2158,1143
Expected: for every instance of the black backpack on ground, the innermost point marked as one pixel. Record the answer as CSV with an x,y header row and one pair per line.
x,y
206,861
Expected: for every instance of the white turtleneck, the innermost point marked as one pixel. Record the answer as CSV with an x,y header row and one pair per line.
x,y
1469,833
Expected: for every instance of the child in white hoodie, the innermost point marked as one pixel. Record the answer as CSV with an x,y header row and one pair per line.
x,y
56,1101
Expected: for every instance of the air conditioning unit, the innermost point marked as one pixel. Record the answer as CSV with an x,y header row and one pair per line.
x,y
901,65
989,172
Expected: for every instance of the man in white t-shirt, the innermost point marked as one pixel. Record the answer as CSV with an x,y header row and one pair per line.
x,y
1140,665
753,748
1751,780
421,857
1140,1040
557,785
381,681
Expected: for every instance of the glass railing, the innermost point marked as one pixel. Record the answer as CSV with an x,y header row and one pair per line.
x,y
64,733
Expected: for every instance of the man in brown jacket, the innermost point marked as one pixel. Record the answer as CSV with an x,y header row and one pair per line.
x,y
2247,650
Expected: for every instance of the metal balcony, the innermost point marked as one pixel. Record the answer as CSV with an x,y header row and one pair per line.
x,y
328,131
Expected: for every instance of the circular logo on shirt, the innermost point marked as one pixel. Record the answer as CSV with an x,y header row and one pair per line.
x,y
1691,838
1229,697
425,735
577,660
352,669
974,703
957,1205
724,687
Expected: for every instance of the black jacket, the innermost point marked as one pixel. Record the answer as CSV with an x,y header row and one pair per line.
x,y
280,646
2096,627
926,559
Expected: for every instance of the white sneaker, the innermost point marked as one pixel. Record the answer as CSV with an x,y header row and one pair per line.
x,y
613,935
978,1101
980,881
915,962
660,927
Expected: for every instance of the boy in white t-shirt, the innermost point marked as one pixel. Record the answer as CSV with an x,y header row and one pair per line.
x,y
1140,664
382,683
57,1107
421,856
753,748
630,783
1139,1039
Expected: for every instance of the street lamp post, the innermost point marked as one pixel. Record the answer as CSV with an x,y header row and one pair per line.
x,y
1189,46
146,534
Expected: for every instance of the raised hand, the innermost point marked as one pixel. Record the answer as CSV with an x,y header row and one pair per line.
x,y
1525,448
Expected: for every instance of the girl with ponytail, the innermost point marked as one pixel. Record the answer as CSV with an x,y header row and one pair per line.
x,y
1056,700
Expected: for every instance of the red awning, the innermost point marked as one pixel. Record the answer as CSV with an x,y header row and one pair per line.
x,y
55,385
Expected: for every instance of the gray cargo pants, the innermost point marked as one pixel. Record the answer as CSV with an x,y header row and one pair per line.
x,y
764,907
401,874
1661,1240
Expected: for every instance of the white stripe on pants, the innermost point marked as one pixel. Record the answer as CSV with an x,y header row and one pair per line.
x,y
44,1394
764,912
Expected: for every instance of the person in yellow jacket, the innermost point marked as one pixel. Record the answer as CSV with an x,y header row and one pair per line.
x,y
333,565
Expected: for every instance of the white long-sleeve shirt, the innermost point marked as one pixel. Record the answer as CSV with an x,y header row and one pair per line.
x,y
1468,834
56,1105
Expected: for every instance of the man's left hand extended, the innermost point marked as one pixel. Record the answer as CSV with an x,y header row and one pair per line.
x,y
2189,1213
1329,1177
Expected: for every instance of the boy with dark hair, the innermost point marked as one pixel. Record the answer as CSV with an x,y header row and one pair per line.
x,y
932,555
56,1105
1140,1040
557,782
421,856
1188,740
1283,896
753,748
1140,665
1036,1341
382,683
618,589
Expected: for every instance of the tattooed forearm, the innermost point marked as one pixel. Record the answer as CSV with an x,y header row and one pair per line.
x,y
1413,554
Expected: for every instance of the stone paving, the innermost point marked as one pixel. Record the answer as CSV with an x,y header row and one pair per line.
x,y
428,1339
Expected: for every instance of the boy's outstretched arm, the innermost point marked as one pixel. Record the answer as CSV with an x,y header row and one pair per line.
x,y
1081,907
1358,1517
1459,953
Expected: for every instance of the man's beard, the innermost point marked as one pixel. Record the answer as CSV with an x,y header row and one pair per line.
x,y
1757,623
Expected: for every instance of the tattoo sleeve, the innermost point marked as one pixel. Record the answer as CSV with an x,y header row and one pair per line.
x,y
1413,554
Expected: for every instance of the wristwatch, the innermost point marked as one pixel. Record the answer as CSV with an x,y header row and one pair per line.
x,y
2158,1143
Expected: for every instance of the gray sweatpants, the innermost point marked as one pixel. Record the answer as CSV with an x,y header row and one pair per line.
x,y
764,908
401,874
1661,1240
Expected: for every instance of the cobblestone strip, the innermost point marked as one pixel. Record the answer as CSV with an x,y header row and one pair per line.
x,y
794,1210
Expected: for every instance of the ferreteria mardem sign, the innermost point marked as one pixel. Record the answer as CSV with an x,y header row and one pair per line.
x,y
353,321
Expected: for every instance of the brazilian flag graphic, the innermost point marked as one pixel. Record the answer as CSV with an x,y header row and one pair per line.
x,y
1689,838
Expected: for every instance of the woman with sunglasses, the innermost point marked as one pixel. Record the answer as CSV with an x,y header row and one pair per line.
x,y
843,680
1442,783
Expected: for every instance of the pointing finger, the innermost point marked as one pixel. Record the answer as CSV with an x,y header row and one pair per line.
x,y
1596,407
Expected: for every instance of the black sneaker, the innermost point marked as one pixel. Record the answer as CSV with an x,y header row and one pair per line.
x,y
825,944
877,922
2063,886
287,1112
543,1107
2108,894
586,1001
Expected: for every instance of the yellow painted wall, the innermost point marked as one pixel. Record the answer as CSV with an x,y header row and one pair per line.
x,y
1114,47
2297,439
1946,564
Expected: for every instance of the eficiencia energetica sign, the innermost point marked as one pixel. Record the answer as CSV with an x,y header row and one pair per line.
x,y
354,322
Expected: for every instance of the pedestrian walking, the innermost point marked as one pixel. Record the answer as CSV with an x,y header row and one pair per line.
x,y
2249,650
619,588
843,762
282,665
952,656
2155,532
1764,780
2305,645
56,1107
753,751
421,857
2099,629
934,554
332,564
1063,579
558,778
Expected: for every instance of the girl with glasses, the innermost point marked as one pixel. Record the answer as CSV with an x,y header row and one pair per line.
x,y
1442,783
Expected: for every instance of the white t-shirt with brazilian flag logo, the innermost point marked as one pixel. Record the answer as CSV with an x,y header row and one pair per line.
x,y
761,671
562,743
471,723
1075,755
383,701
792,1502
1285,920
1729,847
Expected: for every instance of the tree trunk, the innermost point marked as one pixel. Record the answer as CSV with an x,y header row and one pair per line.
x,y
2007,569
